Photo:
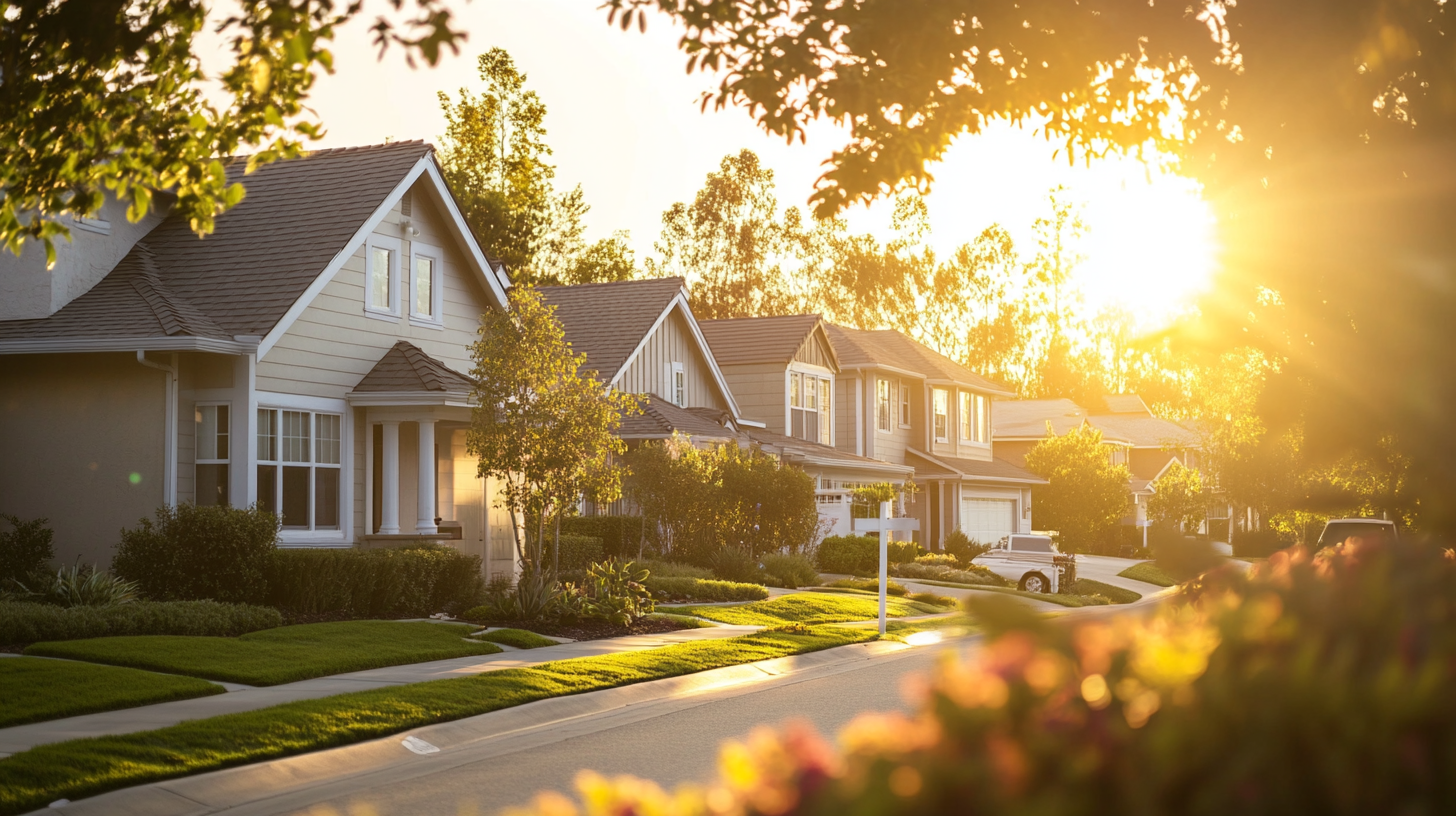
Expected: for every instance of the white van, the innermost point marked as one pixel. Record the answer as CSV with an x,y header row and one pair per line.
x,y
1030,561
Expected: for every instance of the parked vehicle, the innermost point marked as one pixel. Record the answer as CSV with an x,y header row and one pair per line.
x,y
1031,561
1338,530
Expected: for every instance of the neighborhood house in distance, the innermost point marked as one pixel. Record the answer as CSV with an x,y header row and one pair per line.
x,y
312,356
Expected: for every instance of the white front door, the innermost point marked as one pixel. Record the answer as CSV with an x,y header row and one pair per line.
x,y
988,520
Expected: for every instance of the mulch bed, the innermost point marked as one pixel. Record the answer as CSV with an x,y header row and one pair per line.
x,y
594,630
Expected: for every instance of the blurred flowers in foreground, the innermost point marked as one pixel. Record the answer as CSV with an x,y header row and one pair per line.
x,y
1314,684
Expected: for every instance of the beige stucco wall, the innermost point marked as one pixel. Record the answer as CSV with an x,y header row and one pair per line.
x,y
672,342
74,431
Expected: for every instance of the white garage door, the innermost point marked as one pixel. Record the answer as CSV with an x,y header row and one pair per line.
x,y
988,520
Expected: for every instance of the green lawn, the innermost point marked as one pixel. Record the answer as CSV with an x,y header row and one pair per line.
x,y
949,626
281,655
1149,573
34,689
1118,595
86,767
811,608
519,638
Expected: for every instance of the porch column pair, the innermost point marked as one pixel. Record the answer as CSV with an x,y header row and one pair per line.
x,y
389,509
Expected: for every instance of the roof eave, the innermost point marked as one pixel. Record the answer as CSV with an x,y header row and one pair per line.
x,y
81,345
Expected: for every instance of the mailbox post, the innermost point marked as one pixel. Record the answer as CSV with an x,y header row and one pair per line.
x,y
884,525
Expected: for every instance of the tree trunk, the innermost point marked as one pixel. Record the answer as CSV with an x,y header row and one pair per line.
x,y
556,550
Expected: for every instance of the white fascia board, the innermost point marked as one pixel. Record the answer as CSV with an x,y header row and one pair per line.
x,y
389,399
876,467
76,345
965,386
488,274
889,369
751,424
965,477
681,301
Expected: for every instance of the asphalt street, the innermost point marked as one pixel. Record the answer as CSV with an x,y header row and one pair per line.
x,y
671,742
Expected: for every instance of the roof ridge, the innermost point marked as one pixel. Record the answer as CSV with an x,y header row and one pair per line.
x,y
604,284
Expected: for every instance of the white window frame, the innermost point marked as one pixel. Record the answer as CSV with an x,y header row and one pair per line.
x,y
310,531
983,419
941,434
826,411
197,446
679,385
811,403
904,404
395,248
966,415
433,320
884,422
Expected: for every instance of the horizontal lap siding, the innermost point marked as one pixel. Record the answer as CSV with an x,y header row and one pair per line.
x,y
672,342
333,344
760,393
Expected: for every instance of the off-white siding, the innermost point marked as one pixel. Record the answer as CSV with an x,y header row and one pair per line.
x,y
814,352
759,391
650,371
333,344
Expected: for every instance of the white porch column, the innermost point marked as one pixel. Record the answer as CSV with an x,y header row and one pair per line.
x,y
389,484
426,493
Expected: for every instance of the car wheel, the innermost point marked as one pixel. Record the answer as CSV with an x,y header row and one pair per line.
x,y
1035,582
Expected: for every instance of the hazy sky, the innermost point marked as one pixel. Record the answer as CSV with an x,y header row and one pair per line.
x,y
624,122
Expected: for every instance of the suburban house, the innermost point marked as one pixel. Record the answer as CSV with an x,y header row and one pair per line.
x,y
310,356
898,401
1133,435
783,371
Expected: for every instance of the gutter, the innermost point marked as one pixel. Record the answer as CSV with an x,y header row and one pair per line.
x,y
169,436
124,344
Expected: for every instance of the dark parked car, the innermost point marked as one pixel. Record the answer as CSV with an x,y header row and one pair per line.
x,y
1338,530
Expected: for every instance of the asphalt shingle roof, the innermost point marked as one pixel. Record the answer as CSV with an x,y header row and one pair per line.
x,y
792,448
406,368
660,419
887,347
1028,419
263,254
749,340
607,321
997,469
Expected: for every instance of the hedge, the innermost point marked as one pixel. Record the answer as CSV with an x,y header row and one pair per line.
x,y
577,553
860,555
620,535
193,553
703,589
25,623
393,583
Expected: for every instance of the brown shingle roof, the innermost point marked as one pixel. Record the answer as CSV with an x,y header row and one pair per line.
x,y
748,340
607,321
264,253
660,419
890,348
406,368
793,449
995,470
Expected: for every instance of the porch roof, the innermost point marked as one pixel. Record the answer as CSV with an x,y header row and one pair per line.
x,y
405,368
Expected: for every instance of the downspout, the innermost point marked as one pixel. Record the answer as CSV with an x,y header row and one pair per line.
x,y
169,445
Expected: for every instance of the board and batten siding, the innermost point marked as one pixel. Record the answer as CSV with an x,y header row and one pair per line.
x,y
672,342
333,344
760,390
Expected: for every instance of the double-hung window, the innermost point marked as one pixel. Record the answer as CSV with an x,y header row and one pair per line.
x,y
299,456
381,276
679,386
983,419
826,411
810,404
941,402
425,283
213,455
882,405
904,405
968,417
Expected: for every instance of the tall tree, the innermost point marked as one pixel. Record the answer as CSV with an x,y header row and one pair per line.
x,y
105,96
1179,498
543,427
1086,494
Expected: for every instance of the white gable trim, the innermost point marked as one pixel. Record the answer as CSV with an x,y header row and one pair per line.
x,y
424,167
680,301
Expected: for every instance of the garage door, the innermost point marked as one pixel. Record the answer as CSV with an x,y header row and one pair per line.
x,y
988,520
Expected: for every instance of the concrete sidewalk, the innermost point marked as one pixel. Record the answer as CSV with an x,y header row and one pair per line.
x,y
243,698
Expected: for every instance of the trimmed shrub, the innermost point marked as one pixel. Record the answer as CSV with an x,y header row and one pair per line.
x,y
619,535
789,571
674,569
699,589
930,598
193,553
24,623
960,545
871,585
578,552
860,555
733,564
1258,544
396,583
973,574
24,549
938,560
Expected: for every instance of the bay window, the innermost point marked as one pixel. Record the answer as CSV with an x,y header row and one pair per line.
x,y
213,455
810,403
299,456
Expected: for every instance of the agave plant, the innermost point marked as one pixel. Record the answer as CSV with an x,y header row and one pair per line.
x,y
79,586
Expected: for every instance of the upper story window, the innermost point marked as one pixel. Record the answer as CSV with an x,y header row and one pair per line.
x,y
381,261
299,464
425,284
941,407
983,419
975,418
810,406
882,405
213,455
904,405
679,386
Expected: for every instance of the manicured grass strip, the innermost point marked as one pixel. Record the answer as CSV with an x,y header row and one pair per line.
x,y
684,621
812,608
957,624
34,689
1149,573
1118,595
1073,601
281,655
86,767
519,638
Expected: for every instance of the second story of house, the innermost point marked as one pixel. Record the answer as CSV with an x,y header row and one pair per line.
x,y
782,371
1133,435
895,395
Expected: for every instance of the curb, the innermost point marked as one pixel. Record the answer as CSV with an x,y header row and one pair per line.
x,y
234,787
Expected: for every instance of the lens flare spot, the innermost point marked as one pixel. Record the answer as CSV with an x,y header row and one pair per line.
x,y
135,478
923,638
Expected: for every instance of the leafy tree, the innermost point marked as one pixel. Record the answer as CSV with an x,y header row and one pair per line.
x,y
564,256
544,428
1086,494
1180,499
105,96
763,503
669,484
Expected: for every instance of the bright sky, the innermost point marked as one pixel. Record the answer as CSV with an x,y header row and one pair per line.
x,y
624,122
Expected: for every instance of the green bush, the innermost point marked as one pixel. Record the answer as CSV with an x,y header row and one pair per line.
x,y
1257,543
674,569
860,555
930,598
959,545
621,536
393,583
25,549
24,623
78,586
871,585
196,553
578,552
702,589
973,574
612,592
938,560
734,564
790,571
1313,685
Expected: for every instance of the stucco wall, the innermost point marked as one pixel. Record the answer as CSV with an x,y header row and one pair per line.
x,y
81,443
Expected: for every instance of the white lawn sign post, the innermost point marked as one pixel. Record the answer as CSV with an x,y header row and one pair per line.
x,y
885,525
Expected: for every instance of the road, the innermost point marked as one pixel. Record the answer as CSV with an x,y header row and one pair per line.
x,y
669,742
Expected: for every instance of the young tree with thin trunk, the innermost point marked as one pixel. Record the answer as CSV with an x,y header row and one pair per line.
x,y
1086,494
